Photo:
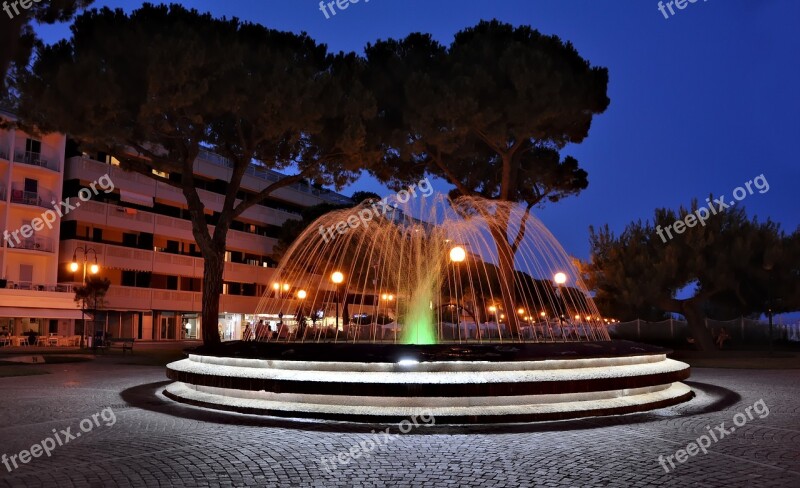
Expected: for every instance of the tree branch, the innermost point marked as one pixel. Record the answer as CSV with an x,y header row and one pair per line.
x,y
522,228
437,160
483,137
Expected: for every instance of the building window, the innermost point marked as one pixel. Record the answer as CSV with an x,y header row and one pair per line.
x,y
129,240
128,278
25,275
33,146
173,247
31,186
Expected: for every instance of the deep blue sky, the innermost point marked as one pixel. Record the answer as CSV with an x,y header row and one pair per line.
x,y
700,103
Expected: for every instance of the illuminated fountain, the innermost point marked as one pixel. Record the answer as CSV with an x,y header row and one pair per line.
x,y
379,312
441,272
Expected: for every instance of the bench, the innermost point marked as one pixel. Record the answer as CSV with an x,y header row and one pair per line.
x,y
124,343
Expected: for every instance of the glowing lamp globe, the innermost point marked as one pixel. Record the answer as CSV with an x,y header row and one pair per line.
x,y
458,254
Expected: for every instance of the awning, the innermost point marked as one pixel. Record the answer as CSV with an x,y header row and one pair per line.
x,y
41,313
137,198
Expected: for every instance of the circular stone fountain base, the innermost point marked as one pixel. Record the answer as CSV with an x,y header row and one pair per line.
x,y
457,384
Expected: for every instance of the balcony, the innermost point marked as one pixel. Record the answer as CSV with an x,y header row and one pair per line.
x,y
114,216
120,257
43,244
28,285
3,153
35,295
126,297
41,198
272,176
88,170
2,191
36,159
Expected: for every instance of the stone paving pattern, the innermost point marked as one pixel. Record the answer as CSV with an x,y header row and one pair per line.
x,y
156,442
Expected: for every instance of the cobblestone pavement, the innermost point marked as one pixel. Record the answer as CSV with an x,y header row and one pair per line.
x,y
155,442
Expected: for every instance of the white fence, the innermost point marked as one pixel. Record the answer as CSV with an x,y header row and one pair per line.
x,y
740,329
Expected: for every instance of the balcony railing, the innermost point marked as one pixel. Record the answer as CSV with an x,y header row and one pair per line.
x,y
39,198
273,176
44,244
28,285
35,159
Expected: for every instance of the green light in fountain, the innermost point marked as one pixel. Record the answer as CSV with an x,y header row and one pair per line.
x,y
419,328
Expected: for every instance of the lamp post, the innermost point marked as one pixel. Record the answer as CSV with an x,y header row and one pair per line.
x,y
337,278
300,316
458,255
768,268
560,278
94,268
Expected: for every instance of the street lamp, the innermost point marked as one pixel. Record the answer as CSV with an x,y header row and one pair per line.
x,y
561,278
94,268
768,268
337,278
458,255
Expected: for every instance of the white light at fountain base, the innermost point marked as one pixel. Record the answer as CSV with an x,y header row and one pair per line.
x,y
407,362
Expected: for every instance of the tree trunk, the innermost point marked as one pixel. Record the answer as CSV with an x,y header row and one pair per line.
x,y
697,326
213,267
505,262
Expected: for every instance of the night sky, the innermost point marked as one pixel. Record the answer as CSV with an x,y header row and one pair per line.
x,y
701,102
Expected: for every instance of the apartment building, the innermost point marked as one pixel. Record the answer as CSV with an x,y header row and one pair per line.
x,y
31,179
140,235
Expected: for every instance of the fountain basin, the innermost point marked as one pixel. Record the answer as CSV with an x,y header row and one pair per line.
x,y
458,384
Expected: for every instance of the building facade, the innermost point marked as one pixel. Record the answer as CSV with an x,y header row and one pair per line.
x,y
141,236
59,206
31,181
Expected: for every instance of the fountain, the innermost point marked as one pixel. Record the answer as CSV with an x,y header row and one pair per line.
x,y
469,309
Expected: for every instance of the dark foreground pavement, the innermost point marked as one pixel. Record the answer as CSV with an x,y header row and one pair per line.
x,y
155,442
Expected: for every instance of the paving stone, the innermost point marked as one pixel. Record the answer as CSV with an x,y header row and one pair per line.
x,y
155,442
